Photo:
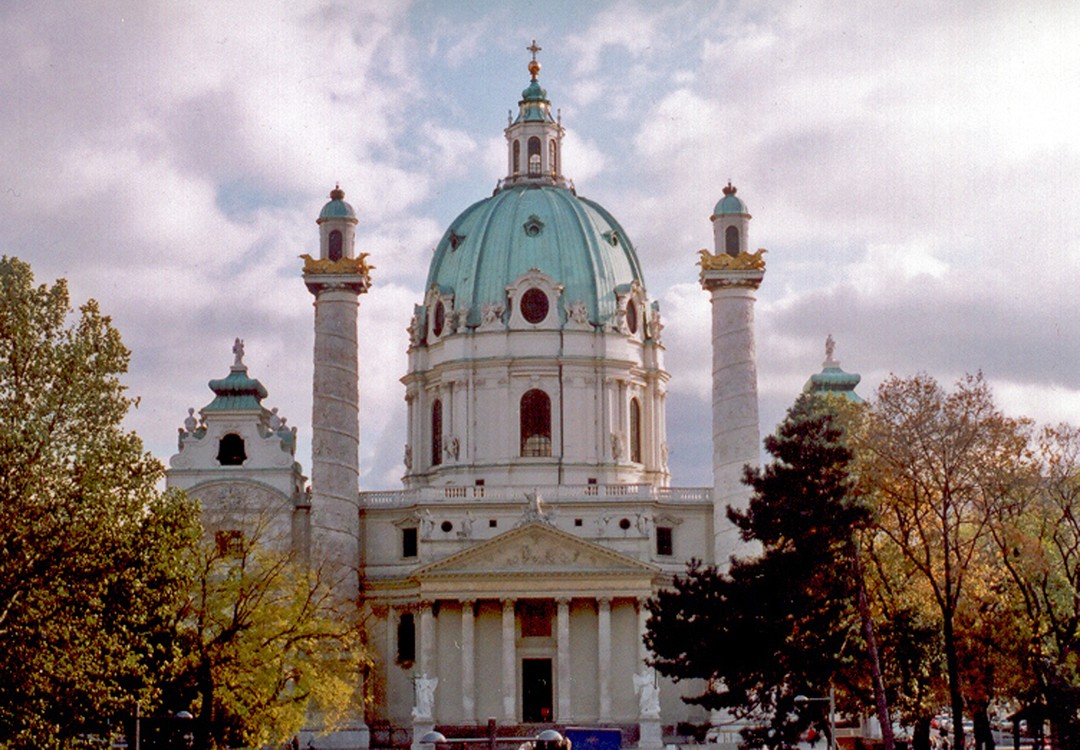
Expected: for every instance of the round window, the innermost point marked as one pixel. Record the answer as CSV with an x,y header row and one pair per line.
x,y
440,319
447,527
624,523
534,306
631,316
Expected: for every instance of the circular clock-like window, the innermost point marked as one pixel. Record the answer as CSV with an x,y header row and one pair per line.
x,y
534,306
631,316
440,319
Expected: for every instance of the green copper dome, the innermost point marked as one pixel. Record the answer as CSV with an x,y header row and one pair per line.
x,y
730,204
571,239
237,392
337,208
832,380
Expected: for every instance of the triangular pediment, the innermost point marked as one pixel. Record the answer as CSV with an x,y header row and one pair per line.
x,y
536,549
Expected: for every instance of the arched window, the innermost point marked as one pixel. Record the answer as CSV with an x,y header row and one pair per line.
x,y
553,157
731,241
631,317
231,450
535,424
334,250
517,157
436,433
534,157
635,431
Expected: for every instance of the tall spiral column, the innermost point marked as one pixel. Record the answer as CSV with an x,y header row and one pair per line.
x,y
732,276
336,278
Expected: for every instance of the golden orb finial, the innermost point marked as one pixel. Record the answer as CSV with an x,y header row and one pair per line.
x,y
534,65
337,194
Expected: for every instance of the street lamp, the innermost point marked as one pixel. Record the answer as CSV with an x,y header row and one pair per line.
x,y
832,712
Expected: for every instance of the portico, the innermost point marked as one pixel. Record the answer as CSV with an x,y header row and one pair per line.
x,y
523,627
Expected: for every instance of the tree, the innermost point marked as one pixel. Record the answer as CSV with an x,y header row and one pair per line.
x,y
90,567
1038,543
940,468
268,644
774,625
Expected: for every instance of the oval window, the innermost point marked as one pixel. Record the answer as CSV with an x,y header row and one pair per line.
x,y
440,319
534,306
631,316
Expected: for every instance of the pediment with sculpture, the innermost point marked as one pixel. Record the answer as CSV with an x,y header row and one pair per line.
x,y
536,549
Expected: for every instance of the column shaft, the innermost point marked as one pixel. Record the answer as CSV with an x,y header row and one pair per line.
x,y
509,657
562,633
734,408
468,661
426,665
335,434
604,657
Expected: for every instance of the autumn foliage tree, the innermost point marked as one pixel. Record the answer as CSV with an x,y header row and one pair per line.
x,y
1037,540
268,645
941,468
90,550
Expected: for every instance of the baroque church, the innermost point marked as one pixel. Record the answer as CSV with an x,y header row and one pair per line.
x,y
507,578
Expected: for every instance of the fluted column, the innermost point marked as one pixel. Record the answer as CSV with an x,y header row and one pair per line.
x,y
603,608
734,389
562,655
468,661
509,655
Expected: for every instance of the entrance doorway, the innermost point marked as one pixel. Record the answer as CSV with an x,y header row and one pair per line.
x,y
536,691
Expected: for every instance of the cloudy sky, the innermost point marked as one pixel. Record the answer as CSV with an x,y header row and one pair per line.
x,y
912,168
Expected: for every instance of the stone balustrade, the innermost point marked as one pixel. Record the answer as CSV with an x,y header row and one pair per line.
x,y
453,493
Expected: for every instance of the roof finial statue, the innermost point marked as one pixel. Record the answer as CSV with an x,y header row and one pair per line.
x,y
238,350
534,66
830,350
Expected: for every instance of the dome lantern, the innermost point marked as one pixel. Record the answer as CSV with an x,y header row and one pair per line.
x,y
337,228
731,222
534,138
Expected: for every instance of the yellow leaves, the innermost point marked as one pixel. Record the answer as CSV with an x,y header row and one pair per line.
x,y
273,640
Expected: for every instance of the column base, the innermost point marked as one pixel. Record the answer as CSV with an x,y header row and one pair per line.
x,y
651,734
420,727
